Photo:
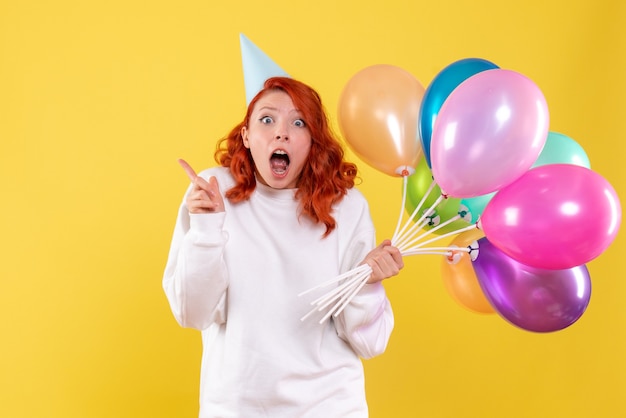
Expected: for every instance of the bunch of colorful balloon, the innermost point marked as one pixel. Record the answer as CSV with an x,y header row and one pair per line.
x,y
526,210
543,212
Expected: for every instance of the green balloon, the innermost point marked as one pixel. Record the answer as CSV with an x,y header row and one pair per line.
x,y
475,205
418,184
561,149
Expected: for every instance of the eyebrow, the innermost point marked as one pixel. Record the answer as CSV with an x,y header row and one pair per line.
x,y
275,109
266,108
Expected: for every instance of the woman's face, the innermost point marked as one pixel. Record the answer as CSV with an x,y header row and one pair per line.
x,y
278,139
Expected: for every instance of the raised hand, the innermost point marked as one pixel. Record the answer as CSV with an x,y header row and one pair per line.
x,y
205,196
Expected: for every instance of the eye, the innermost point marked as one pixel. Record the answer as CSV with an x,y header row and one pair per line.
x,y
299,123
266,120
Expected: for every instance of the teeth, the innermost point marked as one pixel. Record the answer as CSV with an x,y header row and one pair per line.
x,y
280,152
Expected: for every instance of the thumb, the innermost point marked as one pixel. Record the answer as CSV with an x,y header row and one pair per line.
x,y
385,243
214,192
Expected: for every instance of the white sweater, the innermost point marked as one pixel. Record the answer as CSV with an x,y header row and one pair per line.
x,y
237,275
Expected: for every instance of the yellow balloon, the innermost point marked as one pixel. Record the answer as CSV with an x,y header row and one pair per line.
x,y
378,116
460,279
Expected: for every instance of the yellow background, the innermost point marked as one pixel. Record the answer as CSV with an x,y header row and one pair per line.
x,y
98,100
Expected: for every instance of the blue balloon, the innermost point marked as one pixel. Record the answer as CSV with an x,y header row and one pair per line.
x,y
438,91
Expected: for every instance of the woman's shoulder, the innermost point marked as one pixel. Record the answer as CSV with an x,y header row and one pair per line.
x,y
354,201
353,214
356,195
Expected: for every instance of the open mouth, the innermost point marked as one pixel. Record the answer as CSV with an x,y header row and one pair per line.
x,y
279,162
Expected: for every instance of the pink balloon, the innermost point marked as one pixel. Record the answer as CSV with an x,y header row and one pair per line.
x,y
489,131
555,216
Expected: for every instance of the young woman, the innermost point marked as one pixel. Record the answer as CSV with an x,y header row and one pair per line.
x,y
279,216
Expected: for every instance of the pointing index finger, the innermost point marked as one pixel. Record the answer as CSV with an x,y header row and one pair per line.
x,y
190,171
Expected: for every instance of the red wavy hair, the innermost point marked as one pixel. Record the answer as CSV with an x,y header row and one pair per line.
x,y
325,178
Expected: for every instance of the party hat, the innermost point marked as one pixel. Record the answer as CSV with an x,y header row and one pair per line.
x,y
257,67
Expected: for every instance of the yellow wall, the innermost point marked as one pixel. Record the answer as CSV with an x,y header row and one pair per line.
x,y
99,99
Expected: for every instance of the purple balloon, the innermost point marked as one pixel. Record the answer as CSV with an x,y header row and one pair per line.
x,y
531,298
555,216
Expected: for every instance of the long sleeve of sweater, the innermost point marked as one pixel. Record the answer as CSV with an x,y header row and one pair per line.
x,y
367,322
196,279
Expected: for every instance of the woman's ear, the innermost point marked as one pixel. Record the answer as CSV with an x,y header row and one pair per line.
x,y
244,136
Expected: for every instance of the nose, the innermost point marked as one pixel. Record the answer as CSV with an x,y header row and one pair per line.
x,y
281,132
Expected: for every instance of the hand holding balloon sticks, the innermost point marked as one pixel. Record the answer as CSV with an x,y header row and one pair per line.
x,y
351,282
